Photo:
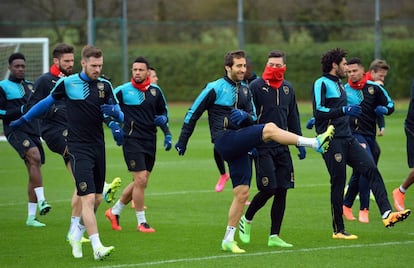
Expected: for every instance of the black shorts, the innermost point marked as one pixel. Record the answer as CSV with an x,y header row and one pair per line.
x,y
274,168
88,167
139,156
55,139
234,146
22,142
410,147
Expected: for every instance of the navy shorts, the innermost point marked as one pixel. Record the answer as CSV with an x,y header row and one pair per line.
x,y
55,139
139,155
274,168
88,167
410,147
234,146
22,142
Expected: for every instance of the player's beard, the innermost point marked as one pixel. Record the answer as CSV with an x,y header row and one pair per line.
x,y
139,80
236,77
92,75
66,72
340,73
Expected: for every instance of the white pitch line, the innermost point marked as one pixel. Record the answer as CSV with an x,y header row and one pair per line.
x,y
147,194
184,192
221,256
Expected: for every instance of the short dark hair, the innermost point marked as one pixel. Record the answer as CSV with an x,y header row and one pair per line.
x,y
249,62
141,59
91,51
61,49
355,60
16,56
334,55
277,54
231,55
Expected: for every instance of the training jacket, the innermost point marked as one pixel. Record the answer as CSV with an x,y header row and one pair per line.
x,y
56,115
14,94
409,120
369,97
140,109
276,105
328,99
219,98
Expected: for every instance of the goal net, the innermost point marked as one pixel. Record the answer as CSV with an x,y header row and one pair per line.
x,y
36,52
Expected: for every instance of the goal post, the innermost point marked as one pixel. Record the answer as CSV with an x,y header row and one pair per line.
x,y
35,50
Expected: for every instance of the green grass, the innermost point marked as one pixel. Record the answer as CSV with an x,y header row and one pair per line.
x,y
190,217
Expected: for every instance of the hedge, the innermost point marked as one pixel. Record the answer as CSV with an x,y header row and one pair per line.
x,y
184,70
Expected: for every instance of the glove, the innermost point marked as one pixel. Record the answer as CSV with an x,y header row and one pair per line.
x,y
310,123
302,152
237,116
180,148
253,153
111,109
15,124
352,110
381,110
118,133
160,120
167,142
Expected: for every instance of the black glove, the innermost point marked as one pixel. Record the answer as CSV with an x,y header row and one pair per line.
x,y
302,152
381,110
15,124
118,133
253,153
111,109
167,142
310,123
180,147
237,116
352,110
160,120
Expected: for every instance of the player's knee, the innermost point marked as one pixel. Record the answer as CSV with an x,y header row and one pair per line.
x,y
88,202
268,130
243,197
241,192
32,156
140,182
98,200
270,126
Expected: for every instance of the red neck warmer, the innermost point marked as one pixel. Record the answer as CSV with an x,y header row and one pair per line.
x,y
369,76
143,86
55,71
359,84
274,76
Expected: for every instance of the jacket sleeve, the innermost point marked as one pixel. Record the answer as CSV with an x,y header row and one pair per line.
x,y
293,119
202,103
386,100
9,114
321,111
163,109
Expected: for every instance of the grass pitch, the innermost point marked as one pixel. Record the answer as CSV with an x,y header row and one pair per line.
x,y
190,217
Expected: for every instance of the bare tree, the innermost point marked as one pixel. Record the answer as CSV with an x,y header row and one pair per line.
x,y
62,19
